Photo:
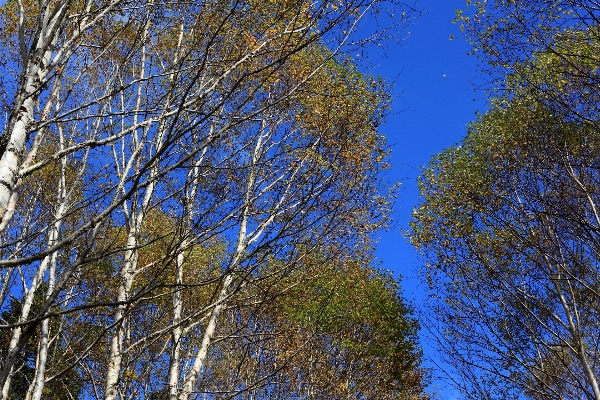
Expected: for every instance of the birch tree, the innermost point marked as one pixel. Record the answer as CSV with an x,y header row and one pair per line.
x,y
322,337
508,227
194,144
550,46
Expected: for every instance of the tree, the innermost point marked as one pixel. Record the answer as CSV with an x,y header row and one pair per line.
x,y
175,152
509,229
508,222
68,386
549,47
323,337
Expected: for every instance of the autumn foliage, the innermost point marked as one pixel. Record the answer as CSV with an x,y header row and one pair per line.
x,y
189,197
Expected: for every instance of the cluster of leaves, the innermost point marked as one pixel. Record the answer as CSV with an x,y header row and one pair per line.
x,y
508,223
361,309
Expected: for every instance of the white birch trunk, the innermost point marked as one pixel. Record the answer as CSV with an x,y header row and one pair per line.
x,y
128,274
200,358
177,330
16,335
38,382
178,295
9,162
129,269
116,346
37,64
27,100
577,341
242,243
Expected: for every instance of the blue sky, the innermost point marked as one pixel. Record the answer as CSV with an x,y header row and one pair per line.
x,y
435,97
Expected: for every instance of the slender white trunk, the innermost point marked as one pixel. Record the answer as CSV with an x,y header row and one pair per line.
x,y
16,335
178,295
116,346
176,333
7,214
577,340
43,346
27,100
12,202
37,385
9,162
128,272
37,65
5,284
28,302
194,372
242,244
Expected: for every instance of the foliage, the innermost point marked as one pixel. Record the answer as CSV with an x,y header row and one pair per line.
x,y
166,170
548,47
361,312
508,222
509,230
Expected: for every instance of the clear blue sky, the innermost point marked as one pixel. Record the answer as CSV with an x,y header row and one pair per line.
x,y
434,100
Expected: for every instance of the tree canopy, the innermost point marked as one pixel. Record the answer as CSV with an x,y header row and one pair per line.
x,y
189,197
508,224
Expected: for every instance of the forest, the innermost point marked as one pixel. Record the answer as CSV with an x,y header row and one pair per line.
x,y
191,195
